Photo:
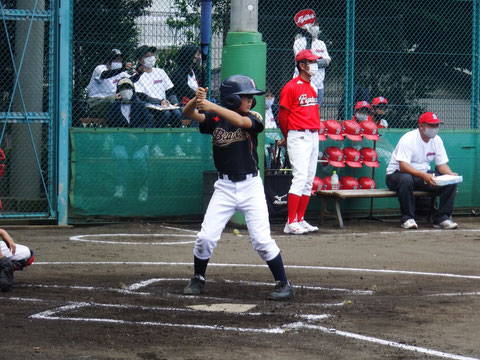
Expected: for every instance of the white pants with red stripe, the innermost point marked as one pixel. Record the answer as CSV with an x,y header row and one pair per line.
x,y
302,149
247,196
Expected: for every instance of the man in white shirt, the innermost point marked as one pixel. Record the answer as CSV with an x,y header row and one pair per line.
x,y
318,48
409,170
103,84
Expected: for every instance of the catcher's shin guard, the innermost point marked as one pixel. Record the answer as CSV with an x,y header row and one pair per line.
x,y
18,265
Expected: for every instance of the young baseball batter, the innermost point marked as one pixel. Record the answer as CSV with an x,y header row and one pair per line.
x,y
234,131
299,122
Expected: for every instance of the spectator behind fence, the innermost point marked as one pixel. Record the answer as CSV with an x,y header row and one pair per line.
x,y
409,170
184,76
271,110
359,94
13,257
319,49
379,111
129,111
103,83
155,88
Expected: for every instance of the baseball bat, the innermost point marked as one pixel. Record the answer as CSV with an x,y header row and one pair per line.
x,y
205,28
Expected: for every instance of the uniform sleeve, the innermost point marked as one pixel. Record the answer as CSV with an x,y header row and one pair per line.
x,y
167,83
257,122
208,125
440,152
97,73
285,97
404,150
325,51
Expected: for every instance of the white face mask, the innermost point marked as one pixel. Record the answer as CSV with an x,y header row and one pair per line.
x,y
116,65
149,62
430,132
126,94
314,31
361,117
312,69
269,103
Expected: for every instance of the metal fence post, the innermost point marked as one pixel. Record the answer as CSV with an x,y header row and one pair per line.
x,y
350,58
475,65
64,80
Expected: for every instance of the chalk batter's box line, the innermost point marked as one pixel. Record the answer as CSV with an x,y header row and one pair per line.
x,y
52,315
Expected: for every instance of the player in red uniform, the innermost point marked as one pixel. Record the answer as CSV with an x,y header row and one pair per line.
x,y
299,122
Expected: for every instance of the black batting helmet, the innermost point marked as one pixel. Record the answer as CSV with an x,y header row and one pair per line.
x,y
233,86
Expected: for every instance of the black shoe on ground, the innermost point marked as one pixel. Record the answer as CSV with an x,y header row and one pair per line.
x,y
195,286
283,291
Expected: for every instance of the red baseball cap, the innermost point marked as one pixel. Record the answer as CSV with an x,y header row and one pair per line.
x,y
379,101
327,183
362,104
366,183
352,130
334,156
317,184
334,129
306,54
369,129
349,183
369,157
352,157
429,118
322,132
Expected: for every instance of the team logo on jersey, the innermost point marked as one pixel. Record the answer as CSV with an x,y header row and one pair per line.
x,y
157,81
304,100
222,137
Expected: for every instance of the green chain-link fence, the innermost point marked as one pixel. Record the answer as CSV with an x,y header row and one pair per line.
x,y
27,127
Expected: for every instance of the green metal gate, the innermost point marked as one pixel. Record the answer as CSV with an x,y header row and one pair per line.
x,y
28,109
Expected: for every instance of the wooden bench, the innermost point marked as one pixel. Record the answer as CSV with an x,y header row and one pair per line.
x,y
338,195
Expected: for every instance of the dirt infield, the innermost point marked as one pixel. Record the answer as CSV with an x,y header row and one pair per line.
x,y
369,291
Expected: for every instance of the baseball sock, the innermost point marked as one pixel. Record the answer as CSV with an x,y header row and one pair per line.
x,y
277,268
293,201
200,266
302,206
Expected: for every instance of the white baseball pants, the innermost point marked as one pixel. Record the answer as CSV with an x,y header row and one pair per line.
x,y
248,196
21,252
302,149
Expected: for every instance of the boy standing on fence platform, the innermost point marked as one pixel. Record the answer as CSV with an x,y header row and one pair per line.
x,y
234,131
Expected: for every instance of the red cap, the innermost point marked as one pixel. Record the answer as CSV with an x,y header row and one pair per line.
x,y
322,132
361,104
348,183
334,156
369,157
334,129
366,183
429,118
317,184
369,129
352,157
379,100
352,130
306,54
327,183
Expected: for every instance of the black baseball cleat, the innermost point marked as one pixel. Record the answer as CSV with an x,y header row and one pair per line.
x,y
283,291
195,286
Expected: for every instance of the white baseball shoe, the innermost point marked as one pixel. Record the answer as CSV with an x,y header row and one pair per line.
x,y
446,224
307,226
410,224
294,228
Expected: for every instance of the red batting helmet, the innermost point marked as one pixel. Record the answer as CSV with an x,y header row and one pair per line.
x,y
348,183
327,183
361,104
366,183
317,184
379,101
369,129
352,157
322,132
334,129
334,156
352,130
369,157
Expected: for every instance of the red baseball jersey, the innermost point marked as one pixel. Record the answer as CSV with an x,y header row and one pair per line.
x,y
299,97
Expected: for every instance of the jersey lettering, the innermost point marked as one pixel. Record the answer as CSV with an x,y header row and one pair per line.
x,y
304,100
222,137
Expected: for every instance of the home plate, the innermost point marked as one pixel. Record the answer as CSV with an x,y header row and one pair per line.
x,y
229,308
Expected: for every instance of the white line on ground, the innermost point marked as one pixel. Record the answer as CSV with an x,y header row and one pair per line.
x,y
301,267
417,349
477,293
86,238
